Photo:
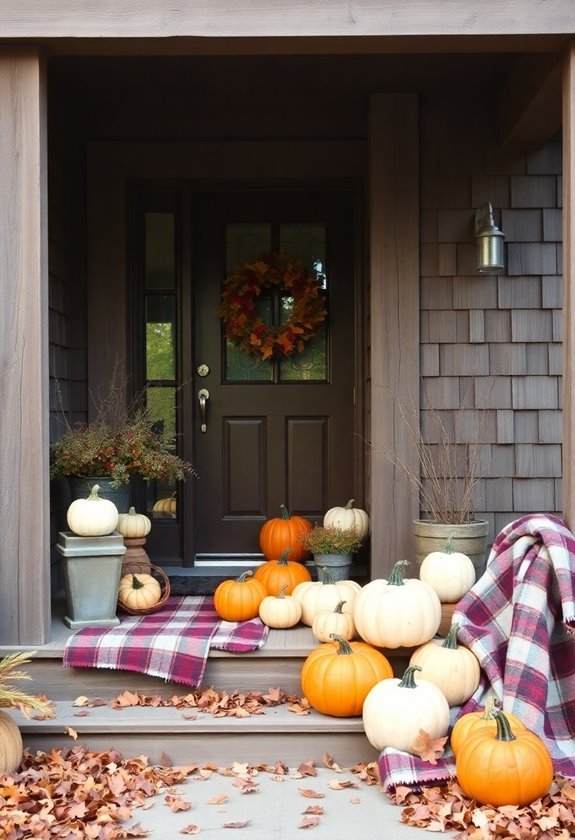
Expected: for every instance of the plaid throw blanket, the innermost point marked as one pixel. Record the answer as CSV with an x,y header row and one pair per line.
x,y
519,620
172,643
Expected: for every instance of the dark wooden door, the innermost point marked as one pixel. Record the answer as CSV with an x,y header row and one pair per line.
x,y
275,432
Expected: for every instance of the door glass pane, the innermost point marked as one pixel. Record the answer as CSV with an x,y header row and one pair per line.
x,y
161,402
160,251
246,242
307,242
160,337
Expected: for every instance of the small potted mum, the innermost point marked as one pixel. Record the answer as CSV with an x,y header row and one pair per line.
x,y
333,549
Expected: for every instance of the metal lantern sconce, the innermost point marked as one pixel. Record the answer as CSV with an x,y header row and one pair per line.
x,y
489,240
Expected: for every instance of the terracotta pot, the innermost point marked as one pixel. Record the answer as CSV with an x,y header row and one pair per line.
x,y
470,538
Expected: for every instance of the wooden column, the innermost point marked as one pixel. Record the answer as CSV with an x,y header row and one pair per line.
x,y
24,485
394,312
568,290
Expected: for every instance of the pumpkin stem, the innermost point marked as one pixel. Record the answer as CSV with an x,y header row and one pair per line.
x,y
504,732
350,504
339,607
283,561
94,493
137,583
244,576
490,708
396,574
408,679
451,638
282,592
448,547
284,512
132,511
345,649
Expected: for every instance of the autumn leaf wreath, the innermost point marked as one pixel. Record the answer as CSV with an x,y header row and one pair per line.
x,y
248,330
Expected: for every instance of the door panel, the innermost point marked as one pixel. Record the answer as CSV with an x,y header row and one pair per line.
x,y
276,433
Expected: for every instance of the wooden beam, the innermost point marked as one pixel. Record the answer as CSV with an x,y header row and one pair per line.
x,y
568,378
24,487
394,318
277,18
530,103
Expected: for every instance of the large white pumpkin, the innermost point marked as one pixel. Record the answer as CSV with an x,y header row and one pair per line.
x,y
92,517
397,612
395,710
451,573
348,517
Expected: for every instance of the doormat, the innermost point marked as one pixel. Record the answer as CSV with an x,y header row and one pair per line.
x,y
194,584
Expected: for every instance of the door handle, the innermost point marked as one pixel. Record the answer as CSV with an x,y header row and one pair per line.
x,y
203,397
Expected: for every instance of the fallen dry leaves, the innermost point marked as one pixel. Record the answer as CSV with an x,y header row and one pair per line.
x,y
210,701
79,794
446,808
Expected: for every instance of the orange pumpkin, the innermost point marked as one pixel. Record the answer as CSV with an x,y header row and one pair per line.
x,y
239,599
337,677
481,720
275,576
505,768
284,532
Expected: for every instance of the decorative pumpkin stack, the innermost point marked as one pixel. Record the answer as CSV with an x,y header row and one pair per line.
x,y
315,596
134,527
92,517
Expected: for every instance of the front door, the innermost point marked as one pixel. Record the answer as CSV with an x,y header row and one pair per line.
x,y
261,433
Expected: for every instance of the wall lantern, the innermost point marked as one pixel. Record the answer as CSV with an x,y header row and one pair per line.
x,y
489,241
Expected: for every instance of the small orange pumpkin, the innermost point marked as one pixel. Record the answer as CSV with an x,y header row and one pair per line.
x,y
505,767
275,575
336,677
239,599
284,532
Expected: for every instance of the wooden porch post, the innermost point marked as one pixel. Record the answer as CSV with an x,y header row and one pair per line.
x,y
568,290
24,485
394,312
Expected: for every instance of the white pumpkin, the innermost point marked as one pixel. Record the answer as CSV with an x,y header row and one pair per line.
x,y
348,517
453,668
329,623
395,710
92,517
314,596
397,612
450,573
133,525
280,611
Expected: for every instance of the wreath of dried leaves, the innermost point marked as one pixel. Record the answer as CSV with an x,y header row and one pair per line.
x,y
238,310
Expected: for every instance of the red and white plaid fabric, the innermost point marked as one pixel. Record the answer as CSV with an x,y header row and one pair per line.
x,y
519,620
172,643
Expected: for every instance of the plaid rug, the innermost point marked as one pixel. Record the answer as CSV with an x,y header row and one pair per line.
x,y
172,643
519,620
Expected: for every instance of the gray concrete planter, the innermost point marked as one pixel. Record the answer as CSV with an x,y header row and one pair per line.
x,y
92,571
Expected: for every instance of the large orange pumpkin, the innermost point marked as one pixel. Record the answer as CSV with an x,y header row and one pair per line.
x,y
239,599
274,575
337,677
284,532
505,768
